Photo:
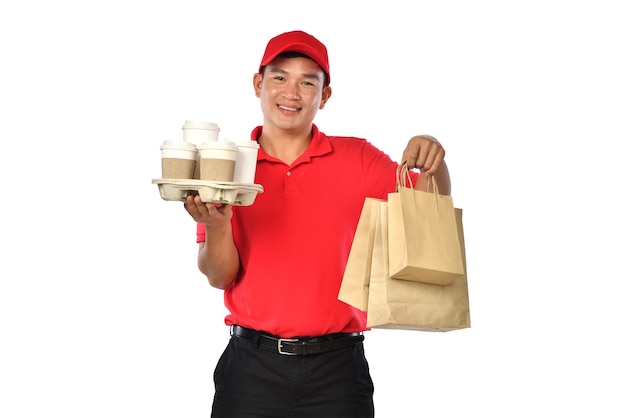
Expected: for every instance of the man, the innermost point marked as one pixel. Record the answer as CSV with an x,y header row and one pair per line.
x,y
296,350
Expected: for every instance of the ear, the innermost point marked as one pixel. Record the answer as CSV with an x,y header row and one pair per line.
x,y
326,93
257,79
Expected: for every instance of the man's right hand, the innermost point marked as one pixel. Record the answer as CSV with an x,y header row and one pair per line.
x,y
210,214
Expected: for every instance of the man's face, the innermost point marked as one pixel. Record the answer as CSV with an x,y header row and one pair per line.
x,y
291,92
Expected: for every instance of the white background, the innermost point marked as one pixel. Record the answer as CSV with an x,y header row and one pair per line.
x,y
102,310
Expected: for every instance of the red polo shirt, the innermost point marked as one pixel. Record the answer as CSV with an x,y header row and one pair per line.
x,y
294,240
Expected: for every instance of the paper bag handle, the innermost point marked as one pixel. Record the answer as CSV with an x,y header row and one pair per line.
x,y
403,177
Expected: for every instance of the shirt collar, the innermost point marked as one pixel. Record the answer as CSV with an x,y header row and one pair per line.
x,y
320,145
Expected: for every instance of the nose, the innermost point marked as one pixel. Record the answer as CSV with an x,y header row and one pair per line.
x,y
291,91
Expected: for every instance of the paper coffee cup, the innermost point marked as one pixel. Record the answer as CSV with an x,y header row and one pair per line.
x,y
198,133
217,161
245,168
178,160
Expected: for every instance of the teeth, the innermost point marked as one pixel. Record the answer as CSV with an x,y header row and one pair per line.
x,y
293,109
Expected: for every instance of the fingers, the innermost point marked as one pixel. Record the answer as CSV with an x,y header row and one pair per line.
x,y
207,213
430,161
424,153
195,207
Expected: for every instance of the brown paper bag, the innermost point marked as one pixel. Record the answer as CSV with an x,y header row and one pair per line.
x,y
423,238
409,305
356,277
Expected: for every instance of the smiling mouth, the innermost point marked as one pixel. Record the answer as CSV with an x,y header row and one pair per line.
x,y
291,109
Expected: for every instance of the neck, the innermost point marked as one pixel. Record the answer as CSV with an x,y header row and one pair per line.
x,y
284,145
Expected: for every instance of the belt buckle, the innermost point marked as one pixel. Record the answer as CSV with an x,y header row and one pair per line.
x,y
280,346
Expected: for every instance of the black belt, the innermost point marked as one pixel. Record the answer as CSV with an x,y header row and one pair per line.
x,y
298,346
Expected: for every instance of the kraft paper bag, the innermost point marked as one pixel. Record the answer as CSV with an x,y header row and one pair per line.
x,y
423,239
355,284
409,305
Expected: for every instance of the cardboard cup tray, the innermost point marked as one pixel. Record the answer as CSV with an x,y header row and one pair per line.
x,y
237,194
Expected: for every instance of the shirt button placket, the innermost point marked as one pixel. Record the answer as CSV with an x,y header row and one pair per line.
x,y
289,183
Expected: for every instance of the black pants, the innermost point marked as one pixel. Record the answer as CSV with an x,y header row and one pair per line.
x,y
253,381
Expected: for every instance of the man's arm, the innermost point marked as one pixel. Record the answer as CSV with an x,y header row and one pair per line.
x,y
218,258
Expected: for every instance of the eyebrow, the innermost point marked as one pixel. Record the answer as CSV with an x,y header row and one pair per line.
x,y
279,70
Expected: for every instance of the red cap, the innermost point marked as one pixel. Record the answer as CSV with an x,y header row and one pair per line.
x,y
297,41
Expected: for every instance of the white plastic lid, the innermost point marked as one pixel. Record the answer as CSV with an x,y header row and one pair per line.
x,y
194,124
243,142
179,145
218,145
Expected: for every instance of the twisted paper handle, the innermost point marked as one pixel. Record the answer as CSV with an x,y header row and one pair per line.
x,y
403,178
